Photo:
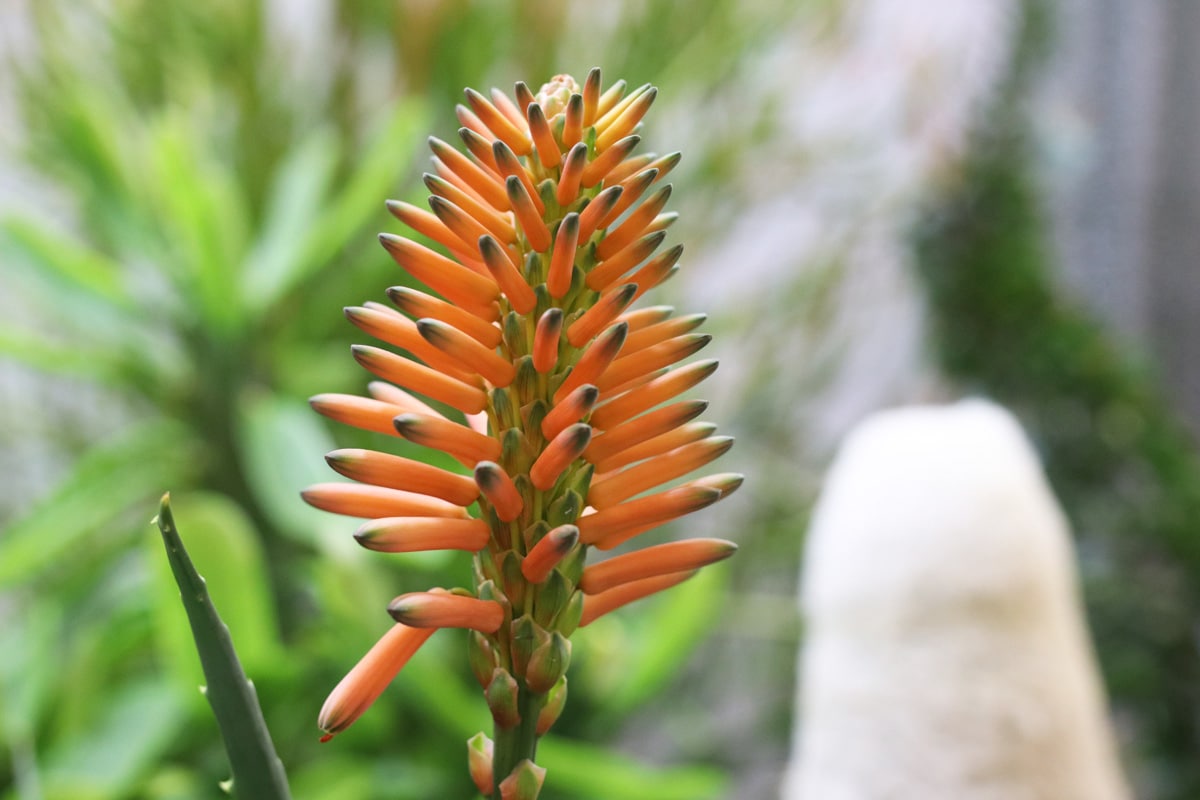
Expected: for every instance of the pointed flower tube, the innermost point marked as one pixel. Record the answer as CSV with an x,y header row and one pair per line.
x,y
369,677
519,349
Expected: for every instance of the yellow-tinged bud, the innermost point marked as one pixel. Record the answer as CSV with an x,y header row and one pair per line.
x,y
524,782
479,762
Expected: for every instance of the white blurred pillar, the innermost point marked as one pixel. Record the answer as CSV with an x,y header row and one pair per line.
x,y
947,656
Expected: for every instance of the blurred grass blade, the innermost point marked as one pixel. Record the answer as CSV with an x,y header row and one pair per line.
x,y
201,209
308,223
670,631
257,771
84,513
279,257
584,770
72,261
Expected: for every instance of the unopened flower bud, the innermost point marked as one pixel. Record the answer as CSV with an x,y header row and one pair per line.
x,y
548,663
501,697
479,762
524,782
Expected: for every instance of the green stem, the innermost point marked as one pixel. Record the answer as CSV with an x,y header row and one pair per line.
x,y
514,745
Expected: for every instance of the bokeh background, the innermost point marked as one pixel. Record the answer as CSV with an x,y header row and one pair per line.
x,y
883,202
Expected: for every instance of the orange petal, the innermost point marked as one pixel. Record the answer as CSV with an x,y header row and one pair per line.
x,y
661,331
562,259
615,488
545,340
392,327
634,165
451,280
572,409
649,562
591,95
644,317
359,412
458,440
396,472
419,305
612,111
500,491
611,526
497,123
381,390
543,139
602,314
659,390
444,610
548,552
652,358
597,605
512,283
481,179
365,500
639,429
508,108
497,223
511,167
495,369
525,207
480,146
369,677
572,173
608,100
418,534
598,169
608,272
411,375
623,122
657,445
632,189
429,225
634,225
594,361
558,455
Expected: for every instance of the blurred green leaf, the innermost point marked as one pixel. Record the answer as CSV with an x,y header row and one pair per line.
x,y
588,771
373,178
71,260
283,444
295,205
135,728
669,632
102,484
100,365
28,671
204,219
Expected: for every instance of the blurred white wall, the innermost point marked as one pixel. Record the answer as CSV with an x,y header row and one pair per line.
x,y
1118,120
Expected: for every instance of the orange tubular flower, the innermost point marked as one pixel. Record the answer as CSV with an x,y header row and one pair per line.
x,y
545,232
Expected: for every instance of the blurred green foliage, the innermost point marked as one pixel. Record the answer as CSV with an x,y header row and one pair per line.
x,y
1123,465
214,204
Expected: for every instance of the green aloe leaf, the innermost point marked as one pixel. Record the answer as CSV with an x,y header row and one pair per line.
x,y
257,771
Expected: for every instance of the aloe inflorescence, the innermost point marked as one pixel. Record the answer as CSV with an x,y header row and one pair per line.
x,y
528,364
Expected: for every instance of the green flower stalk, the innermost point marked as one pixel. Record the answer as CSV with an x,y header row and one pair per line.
x,y
528,364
